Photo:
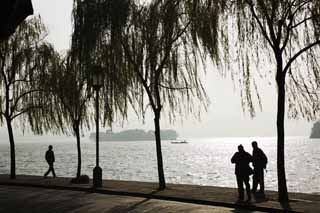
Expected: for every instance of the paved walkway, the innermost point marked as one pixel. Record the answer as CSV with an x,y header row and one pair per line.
x,y
19,199
205,195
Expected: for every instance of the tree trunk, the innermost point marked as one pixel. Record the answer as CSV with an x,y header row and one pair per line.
x,y
282,183
12,150
77,133
162,182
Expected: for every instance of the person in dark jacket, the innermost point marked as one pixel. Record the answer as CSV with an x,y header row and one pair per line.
x,y
259,161
242,171
50,160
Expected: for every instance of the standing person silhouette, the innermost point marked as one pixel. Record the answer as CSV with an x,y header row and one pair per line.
x,y
259,161
242,171
50,160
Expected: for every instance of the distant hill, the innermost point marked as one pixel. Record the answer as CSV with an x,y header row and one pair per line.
x,y
315,131
134,135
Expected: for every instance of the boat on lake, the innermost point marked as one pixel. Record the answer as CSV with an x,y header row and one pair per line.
x,y
179,142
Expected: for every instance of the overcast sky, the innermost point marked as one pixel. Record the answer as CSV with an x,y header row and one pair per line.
x,y
224,117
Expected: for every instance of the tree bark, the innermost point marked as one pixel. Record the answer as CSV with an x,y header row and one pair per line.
x,y
162,182
12,150
77,133
282,183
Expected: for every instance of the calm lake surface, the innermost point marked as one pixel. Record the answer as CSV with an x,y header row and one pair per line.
x,y
201,161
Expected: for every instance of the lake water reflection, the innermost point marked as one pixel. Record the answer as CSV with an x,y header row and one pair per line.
x,y
201,161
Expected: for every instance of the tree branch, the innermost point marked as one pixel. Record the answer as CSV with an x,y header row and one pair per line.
x,y
298,54
174,88
264,32
302,4
136,70
286,40
301,22
20,80
25,111
21,96
2,113
168,47
3,73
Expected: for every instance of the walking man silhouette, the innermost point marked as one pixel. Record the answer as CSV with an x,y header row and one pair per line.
x,y
50,160
242,171
259,161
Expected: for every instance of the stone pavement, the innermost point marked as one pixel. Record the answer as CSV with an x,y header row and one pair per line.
x,y
19,199
205,195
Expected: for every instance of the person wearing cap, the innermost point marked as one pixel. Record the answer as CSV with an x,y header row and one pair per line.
x,y
241,159
50,160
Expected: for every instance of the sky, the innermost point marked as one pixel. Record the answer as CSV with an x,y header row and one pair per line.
x,y
224,117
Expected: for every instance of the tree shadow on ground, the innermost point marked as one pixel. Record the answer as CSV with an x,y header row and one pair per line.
x,y
241,211
286,206
260,198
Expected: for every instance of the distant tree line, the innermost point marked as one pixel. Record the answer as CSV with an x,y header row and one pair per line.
x,y
315,131
134,135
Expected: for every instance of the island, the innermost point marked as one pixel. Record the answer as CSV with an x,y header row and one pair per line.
x,y
134,135
315,131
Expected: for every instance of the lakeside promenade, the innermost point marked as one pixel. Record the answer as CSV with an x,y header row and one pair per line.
x,y
187,194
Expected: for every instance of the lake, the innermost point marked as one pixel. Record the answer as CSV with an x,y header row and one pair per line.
x,y
201,161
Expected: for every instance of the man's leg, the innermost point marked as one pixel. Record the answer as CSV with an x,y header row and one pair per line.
x,y
261,180
246,182
46,174
255,180
52,169
240,187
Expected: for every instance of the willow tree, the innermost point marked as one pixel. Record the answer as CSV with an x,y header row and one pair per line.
x,y
163,46
286,32
71,100
24,64
151,50
95,45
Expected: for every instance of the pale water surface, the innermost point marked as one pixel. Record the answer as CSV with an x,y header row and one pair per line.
x,y
201,161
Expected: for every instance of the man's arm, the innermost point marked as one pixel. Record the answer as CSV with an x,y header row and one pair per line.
x,y
46,156
233,159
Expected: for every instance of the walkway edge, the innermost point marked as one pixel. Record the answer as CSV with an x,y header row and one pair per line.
x,y
84,188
